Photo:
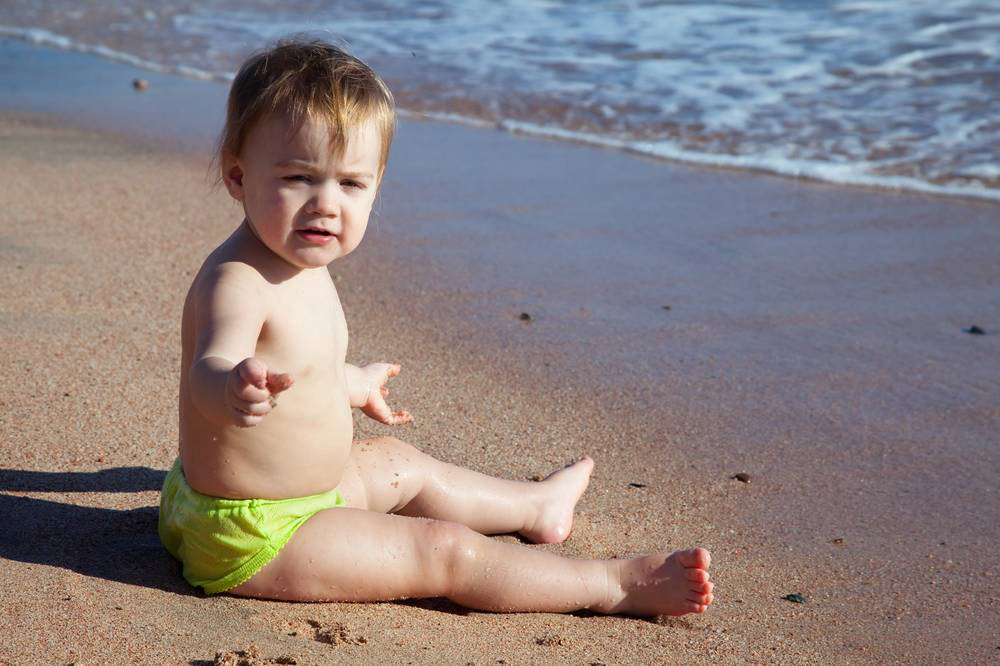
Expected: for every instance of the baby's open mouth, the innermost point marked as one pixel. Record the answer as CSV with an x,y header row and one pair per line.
x,y
315,232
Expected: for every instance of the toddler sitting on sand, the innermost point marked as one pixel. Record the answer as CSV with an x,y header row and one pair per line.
x,y
270,497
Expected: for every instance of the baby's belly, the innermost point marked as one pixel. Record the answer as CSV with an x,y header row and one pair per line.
x,y
296,450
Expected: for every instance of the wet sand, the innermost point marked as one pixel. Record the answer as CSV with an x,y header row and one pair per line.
x,y
685,325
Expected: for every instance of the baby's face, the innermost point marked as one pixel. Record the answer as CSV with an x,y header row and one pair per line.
x,y
307,205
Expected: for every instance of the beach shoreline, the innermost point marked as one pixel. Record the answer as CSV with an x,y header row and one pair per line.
x,y
683,325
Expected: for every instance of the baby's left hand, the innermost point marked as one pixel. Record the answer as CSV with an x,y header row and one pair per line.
x,y
374,405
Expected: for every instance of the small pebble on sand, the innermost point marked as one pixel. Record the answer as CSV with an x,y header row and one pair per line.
x,y
555,639
140,84
974,330
743,477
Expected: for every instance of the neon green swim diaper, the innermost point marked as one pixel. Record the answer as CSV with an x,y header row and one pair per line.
x,y
223,542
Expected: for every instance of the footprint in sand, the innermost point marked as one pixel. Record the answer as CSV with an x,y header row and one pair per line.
x,y
331,633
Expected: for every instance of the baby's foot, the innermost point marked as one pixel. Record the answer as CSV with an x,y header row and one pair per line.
x,y
557,497
663,584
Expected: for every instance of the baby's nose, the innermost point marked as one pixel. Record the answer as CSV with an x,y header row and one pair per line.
x,y
326,200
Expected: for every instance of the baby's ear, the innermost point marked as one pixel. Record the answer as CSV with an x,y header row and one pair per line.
x,y
232,175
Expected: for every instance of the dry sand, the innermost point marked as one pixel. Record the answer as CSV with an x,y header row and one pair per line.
x,y
813,341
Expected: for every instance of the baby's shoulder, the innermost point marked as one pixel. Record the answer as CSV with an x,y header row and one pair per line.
x,y
228,279
223,270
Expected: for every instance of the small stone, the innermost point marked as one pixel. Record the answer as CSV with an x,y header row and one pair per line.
x,y
140,84
838,541
667,308
794,598
225,659
550,640
974,330
742,477
335,634
637,485
526,317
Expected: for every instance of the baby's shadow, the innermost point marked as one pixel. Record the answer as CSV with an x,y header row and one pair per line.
x,y
115,480
114,544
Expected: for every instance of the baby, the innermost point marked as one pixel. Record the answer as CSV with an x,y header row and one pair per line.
x,y
270,496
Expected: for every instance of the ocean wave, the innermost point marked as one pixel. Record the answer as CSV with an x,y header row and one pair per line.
x,y
799,92
42,37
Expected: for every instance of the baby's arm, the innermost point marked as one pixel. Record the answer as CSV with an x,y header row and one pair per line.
x,y
366,389
228,385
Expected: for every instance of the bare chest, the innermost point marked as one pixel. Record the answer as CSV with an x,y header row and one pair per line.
x,y
305,332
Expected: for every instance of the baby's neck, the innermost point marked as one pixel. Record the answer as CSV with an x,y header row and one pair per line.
x,y
248,248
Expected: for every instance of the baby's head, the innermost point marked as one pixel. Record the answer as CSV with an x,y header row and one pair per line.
x,y
308,80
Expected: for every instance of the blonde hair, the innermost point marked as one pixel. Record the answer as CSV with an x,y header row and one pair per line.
x,y
308,80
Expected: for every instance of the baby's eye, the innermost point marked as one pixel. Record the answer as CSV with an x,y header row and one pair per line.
x,y
352,184
298,178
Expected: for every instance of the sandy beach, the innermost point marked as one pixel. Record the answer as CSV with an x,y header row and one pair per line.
x,y
546,300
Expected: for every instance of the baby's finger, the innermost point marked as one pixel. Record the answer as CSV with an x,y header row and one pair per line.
x,y
392,370
251,417
249,393
245,420
400,418
253,371
247,415
252,408
278,382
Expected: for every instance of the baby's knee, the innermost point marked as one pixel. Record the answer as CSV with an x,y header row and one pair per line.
x,y
449,550
395,445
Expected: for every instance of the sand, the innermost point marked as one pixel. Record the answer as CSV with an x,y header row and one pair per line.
x,y
685,325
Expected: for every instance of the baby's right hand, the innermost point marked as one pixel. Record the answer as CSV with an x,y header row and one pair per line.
x,y
251,391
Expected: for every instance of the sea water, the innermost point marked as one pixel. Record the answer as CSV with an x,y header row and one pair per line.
x,y
891,93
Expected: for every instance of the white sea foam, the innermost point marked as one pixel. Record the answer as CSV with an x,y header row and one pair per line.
x,y
829,172
893,93
46,38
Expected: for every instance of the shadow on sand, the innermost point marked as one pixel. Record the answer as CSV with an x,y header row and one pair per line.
x,y
114,544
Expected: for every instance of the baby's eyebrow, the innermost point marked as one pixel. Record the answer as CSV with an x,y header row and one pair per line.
x,y
357,175
307,164
296,163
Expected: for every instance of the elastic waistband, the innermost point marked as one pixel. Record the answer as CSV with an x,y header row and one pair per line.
x,y
216,503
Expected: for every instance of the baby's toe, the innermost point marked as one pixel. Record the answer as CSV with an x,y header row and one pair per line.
x,y
701,588
698,558
697,575
693,607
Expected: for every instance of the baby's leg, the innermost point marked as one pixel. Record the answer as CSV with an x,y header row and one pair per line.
x,y
355,555
390,476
